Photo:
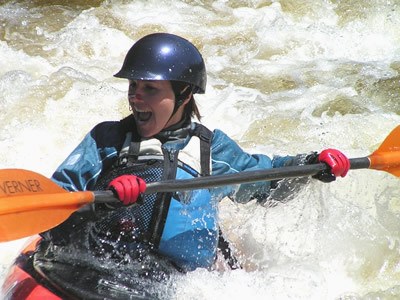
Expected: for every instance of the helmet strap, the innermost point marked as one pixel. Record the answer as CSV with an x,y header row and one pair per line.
x,y
181,97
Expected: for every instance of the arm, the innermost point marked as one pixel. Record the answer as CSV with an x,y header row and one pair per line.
x,y
96,152
228,158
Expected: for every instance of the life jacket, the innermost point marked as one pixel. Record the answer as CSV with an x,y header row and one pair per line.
x,y
181,226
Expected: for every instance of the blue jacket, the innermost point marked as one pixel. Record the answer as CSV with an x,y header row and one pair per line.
x,y
180,241
101,145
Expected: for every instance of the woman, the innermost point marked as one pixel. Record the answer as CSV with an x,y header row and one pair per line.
x,y
159,141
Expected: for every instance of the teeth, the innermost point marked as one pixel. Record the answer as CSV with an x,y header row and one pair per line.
x,y
141,110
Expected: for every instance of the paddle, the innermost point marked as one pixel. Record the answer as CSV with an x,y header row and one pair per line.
x,y
31,203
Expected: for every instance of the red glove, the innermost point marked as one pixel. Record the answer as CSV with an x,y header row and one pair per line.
x,y
128,188
336,160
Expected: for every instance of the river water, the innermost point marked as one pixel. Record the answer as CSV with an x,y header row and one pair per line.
x,y
284,77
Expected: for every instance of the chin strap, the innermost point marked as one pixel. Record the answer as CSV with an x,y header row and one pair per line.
x,y
180,97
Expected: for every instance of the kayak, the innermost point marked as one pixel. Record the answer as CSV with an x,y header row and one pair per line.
x,y
34,276
22,282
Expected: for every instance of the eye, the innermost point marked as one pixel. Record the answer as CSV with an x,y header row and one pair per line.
x,y
149,88
132,88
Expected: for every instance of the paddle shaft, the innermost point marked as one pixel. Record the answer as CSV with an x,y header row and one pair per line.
x,y
31,203
236,178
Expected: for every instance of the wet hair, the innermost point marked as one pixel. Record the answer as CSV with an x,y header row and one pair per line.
x,y
182,90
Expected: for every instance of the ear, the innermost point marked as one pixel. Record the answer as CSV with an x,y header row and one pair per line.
x,y
183,102
186,101
185,96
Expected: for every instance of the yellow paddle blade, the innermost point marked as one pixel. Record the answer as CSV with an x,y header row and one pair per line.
x,y
31,203
387,156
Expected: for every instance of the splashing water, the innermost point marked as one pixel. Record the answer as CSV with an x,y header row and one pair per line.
x,y
284,77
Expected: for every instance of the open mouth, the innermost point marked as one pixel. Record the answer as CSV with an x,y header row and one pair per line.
x,y
143,116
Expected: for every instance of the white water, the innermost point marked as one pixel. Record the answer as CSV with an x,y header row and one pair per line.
x,y
285,77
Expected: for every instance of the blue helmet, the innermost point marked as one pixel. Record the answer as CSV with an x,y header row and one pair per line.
x,y
164,56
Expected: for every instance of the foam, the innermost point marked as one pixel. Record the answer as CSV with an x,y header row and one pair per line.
x,y
284,78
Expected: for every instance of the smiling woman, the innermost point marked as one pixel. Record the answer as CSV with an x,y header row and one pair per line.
x,y
283,76
164,72
153,104
167,234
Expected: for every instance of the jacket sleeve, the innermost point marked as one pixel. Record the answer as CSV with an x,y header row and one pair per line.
x,y
228,158
82,167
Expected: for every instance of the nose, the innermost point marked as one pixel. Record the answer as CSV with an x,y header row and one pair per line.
x,y
134,97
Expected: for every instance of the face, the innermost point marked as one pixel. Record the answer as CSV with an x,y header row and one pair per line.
x,y
153,103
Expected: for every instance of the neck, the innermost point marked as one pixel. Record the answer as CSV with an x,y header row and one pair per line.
x,y
177,131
